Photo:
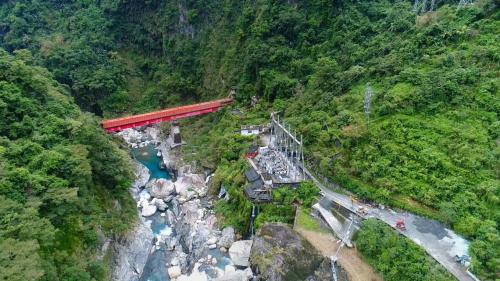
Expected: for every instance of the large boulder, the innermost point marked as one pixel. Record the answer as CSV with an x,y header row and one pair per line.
x,y
148,209
196,275
141,175
240,252
174,271
227,237
190,212
131,136
279,253
161,188
236,275
190,185
160,204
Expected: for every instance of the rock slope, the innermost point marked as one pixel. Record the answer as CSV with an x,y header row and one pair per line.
x,y
280,254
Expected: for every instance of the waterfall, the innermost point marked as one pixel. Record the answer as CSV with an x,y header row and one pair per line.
x,y
255,212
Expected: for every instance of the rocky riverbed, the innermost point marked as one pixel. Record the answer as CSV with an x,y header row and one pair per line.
x,y
177,236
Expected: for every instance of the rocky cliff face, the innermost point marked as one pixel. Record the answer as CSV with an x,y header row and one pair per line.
x,y
281,254
132,251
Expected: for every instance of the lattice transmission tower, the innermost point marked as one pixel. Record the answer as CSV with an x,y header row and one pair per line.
x,y
464,3
368,100
422,6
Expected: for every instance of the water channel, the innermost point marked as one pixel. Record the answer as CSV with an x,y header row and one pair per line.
x,y
155,268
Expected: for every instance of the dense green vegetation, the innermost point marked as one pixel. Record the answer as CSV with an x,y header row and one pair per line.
x,y
285,202
305,221
396,257
73,40
429,144
63,183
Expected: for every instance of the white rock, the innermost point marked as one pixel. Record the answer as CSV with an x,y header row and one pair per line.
x,y
219,272
171,220
249,273
201,213
212,246
229,268
195,276
240,252
227,237
212,240
238,275
144,195
214,261
148,210
161,188
174,271
223,249
174,261
159,203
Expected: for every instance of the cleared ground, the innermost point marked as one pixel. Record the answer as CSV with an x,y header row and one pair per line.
x,y
326,243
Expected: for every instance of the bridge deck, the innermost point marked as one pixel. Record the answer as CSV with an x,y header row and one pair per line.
x,y
164,115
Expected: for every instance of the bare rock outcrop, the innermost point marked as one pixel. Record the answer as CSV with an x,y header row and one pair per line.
x,y
279,253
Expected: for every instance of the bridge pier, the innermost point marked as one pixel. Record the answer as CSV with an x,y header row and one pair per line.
x,y
175,134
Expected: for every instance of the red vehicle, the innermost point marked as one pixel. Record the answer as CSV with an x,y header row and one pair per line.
x,y
400,224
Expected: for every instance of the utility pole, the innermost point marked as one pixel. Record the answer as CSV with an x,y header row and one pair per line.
x,y
333,259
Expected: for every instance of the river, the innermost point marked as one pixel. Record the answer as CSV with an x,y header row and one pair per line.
x,y
156,265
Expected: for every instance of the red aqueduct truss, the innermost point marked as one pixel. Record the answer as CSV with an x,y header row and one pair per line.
x,y
169,114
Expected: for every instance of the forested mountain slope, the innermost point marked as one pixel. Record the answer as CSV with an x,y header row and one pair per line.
x,y
430,142
63,183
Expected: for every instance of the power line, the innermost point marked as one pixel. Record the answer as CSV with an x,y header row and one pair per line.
x,y
464,3
421,7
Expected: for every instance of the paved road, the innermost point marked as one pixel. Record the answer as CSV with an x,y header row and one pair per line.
x,y
439,242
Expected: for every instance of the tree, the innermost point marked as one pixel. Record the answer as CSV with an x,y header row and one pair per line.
x,y
19,260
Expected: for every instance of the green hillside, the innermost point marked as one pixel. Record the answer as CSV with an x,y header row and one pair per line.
x,y
63,183
429,142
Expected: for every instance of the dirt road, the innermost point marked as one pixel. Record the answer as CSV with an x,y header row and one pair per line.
x,y
349,259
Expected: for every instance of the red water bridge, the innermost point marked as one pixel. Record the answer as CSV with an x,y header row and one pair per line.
x,y
169,114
